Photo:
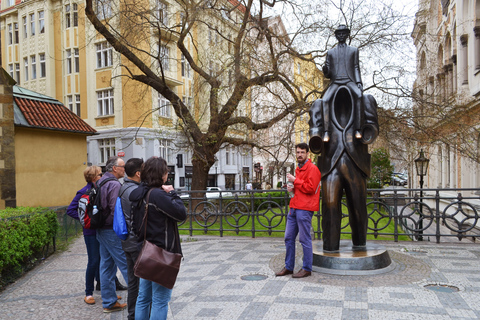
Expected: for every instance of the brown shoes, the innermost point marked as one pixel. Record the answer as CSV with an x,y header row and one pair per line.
x,y
284,272
89,300
302,274
116,307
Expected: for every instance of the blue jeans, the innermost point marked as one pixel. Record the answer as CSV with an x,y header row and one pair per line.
x,y
93,264
299,222
156,295
111,257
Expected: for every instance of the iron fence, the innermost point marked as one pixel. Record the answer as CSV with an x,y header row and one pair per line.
x,y
440,213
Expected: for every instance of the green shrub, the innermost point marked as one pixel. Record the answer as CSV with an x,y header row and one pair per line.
x,y
24,232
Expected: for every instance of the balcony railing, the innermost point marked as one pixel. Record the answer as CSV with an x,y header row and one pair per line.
x,y
440,215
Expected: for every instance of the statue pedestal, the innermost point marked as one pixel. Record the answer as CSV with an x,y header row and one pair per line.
x,y
374,260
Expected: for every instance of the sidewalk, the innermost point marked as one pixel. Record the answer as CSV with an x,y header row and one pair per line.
x,y
210,285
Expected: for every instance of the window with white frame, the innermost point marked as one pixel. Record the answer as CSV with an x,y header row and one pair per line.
x,y
164,54
164,107
234,156
77,104
70,103
17,72
105,102
10,70
104,55
43,69
11,3
184,71
68,61
107,149
298,67
227,155
32,24
67,16
33,62
15,34
75,15
10,33
162,13
25,63
76,60
41,21
166,150
104,9
25,28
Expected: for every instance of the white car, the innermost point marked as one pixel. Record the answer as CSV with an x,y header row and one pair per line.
x,y
212,193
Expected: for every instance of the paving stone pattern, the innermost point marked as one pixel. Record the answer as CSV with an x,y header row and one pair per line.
x,y
210,286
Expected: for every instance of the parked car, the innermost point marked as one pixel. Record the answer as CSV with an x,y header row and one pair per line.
x,y
212,193
399,179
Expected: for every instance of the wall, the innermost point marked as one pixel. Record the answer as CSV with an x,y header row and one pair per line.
x,y
49,167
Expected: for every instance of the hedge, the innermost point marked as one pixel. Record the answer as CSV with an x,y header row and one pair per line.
x,y
24,233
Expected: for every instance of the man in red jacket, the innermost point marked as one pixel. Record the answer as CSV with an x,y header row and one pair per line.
x,y
306,199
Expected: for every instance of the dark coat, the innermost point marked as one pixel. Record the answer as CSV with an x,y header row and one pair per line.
x,y
164,211
334,59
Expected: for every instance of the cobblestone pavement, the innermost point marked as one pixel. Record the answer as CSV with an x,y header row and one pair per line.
x,y
233,278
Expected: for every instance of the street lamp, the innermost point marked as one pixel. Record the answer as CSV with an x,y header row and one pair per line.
x,y
421,164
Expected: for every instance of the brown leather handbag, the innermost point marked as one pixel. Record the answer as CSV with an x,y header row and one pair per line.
x,y
157,264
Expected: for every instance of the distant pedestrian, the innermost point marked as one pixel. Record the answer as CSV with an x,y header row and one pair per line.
x,y
132,168
92,174
248,186
111,252
306,199
165,209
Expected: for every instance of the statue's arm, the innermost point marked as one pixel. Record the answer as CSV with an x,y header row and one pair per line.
x,y
358,77
326,66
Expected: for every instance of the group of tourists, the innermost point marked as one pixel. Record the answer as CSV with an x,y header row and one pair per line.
x,y
107,252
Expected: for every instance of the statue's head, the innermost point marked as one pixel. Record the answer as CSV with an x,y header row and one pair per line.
x,y
342,33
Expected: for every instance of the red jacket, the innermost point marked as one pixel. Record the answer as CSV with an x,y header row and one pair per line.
x,y
307,188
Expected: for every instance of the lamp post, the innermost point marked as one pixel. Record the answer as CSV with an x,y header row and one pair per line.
x,y
421,164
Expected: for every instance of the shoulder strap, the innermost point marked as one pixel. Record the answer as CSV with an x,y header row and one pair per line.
x,y
120,195
105,181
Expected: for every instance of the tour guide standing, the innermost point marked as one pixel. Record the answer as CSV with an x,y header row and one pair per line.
x,y
306,187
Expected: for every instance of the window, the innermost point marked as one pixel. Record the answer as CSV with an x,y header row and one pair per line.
x,y
77,104
234,156
104,55
105,102
11,3
68,61
32,24
25,33
41,21
163,107
74,106
67,16
107,149
162,13
25,62
17,72
10,34
227,155
33,61
104,9
298,67
15,29
10,69
184,72
43,69
165,150
76,60
164,53
75,15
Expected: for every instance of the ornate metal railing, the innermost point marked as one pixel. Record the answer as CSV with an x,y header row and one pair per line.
x,y
439,213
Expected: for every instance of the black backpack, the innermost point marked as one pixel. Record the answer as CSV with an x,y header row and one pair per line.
x,y
90,210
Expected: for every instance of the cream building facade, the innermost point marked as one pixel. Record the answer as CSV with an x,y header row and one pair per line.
x,y
447,38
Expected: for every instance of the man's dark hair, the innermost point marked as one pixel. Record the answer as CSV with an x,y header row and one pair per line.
x,y
302,146
112,161
153,171
132,166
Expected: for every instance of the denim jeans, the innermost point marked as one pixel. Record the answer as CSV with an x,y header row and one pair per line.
x,y
156,295
299,222
111,257
93,264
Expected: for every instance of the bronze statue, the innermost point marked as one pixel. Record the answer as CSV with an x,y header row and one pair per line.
x,y
342,124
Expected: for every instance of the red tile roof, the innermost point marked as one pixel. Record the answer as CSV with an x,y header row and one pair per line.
x,y
49,114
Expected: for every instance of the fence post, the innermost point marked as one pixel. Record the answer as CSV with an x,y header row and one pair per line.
x,y
437,214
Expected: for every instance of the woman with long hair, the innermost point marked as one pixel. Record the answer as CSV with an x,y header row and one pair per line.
x,y
165,209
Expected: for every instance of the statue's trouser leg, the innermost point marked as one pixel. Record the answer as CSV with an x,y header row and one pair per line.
x,y
327,102
332,191
359,107
356,194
